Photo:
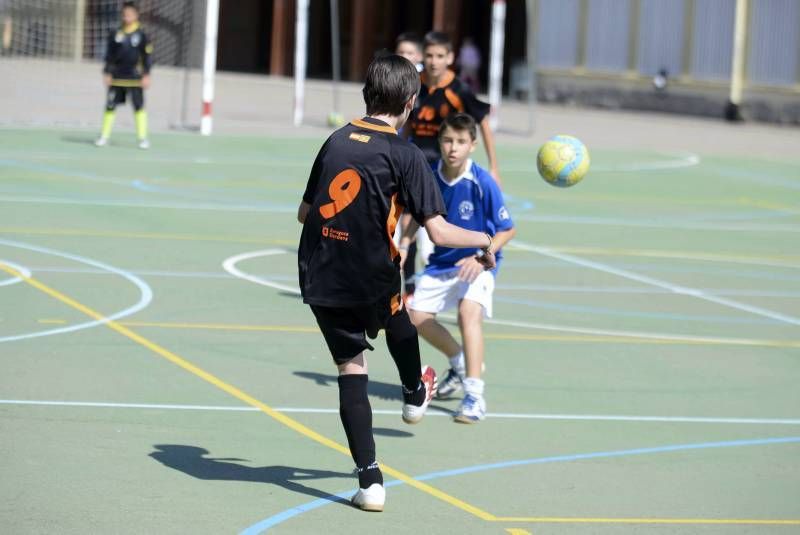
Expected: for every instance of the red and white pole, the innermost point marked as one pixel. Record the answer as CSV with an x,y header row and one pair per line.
x,y
209,64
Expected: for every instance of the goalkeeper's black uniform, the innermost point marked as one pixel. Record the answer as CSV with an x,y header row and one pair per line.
x,y
128,58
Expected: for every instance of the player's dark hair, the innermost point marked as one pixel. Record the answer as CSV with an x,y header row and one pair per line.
x,y
391,81
460,121
409,37
130,4
438,39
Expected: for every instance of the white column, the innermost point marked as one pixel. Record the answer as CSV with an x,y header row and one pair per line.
x,y
496,59
739,54
300,53
80,18
209,64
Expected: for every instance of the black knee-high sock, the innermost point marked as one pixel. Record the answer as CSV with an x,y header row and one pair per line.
x,y
403,343
356,414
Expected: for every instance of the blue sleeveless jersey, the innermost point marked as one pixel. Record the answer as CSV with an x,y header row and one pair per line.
x,y
474,202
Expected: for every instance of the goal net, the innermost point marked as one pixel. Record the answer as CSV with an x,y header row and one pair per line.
x,y
51,55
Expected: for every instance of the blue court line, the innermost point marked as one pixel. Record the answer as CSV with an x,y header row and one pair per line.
x,y
343,497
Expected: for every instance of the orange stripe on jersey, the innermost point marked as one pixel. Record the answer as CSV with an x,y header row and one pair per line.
x,y
395,209
446,79
369,126
453,99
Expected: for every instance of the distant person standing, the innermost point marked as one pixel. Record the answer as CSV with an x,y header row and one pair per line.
x,y
127,72
469,60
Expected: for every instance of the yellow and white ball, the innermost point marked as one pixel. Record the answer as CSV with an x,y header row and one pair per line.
x,y
563,161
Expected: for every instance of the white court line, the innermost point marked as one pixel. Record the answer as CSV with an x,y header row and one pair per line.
x,y
279,209
230,266
25,272
431,412
670,224
144,290
679,161
674,288
638,290
230,263
150,204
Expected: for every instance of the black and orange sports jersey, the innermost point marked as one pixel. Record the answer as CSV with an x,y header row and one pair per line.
x,y
128,56
363,178
434,103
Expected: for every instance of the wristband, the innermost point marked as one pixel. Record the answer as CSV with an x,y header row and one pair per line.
x,y
488,248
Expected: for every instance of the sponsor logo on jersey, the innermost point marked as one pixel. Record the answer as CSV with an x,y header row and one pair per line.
x,y
363,138
465,210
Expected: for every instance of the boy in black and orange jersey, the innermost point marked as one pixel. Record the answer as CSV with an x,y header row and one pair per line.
x,y
441,94
362,179
127,71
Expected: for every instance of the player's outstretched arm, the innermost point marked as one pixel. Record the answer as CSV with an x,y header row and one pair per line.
x,y
446,234
491,154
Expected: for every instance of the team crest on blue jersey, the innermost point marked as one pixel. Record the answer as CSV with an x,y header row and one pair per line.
x,y
119,37
502,214
135,38
465,210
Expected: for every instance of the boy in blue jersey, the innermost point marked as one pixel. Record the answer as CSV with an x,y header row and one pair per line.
x,y
454,277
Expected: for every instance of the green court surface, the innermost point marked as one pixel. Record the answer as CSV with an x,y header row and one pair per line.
x,y
642,362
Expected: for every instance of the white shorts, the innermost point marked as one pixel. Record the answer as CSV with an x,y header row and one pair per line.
x,y
437,293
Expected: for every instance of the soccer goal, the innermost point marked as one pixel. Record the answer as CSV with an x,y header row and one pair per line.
x,y
52,54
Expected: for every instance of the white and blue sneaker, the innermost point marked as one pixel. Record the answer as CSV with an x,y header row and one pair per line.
x,y
450,386
472,410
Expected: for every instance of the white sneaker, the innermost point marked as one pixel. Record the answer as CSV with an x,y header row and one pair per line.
x,y
144,144
450,386
472,410
101,142
412,414
371,498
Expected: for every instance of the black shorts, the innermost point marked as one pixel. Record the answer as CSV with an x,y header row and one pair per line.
x,y
346,329
117,95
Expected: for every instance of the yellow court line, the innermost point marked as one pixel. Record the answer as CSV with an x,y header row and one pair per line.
x,y
140,235
609,339
239,394
718,521
309,433
518,531
758,203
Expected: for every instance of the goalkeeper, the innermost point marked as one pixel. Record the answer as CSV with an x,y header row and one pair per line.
x,y
127,72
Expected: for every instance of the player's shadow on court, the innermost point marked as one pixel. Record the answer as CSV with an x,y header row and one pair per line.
x,y
376,389
193,461
79,139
